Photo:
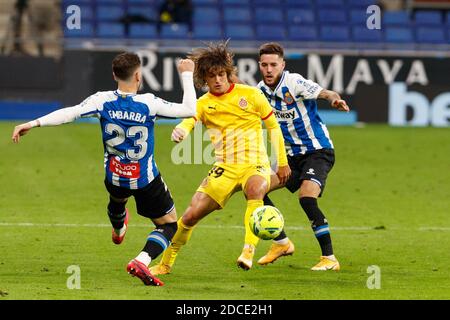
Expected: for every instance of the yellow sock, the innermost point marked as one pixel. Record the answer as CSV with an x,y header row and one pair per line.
x,y
180,238
250,238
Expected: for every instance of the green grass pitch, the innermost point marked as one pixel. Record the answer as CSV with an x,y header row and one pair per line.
x,y
387,201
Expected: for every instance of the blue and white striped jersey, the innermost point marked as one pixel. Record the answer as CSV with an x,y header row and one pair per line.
x,y
294,105
127,122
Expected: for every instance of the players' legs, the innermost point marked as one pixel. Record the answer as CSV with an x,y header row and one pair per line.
x,y
201,205
308,194
255,188
117,213
281,245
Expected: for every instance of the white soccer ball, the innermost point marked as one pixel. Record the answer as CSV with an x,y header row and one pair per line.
x,y
266,222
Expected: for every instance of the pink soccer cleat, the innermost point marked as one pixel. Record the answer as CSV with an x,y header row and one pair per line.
x,y
118,238
140,270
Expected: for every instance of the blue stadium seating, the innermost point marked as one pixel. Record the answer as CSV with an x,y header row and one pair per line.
x,y
86,11
303,33
204,2
335,33
270,32
110,30
332,16
447,19
362,34
148,12
269,15
144,2
396,18
300,16
207,32
399,35
109,13
428,18
326,4
143,30
87,31
237,14
266,2
174,31
207,14
358,16
113,2
430,35
361,3
236,2
239,32
299,3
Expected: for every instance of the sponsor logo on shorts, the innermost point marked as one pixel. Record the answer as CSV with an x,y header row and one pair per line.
x,y
311,171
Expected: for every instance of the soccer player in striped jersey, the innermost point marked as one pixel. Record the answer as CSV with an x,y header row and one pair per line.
x,y
308,145
233,115
127,121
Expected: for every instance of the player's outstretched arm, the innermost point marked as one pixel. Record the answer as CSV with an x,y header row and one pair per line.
x,y
61,116
335,100
23,129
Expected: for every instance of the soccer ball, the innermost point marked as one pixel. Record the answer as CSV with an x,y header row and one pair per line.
x,y
266,222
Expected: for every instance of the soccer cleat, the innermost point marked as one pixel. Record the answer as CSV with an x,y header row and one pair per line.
x,y
326,264
116,238
276,251
140,270
160,268
245,260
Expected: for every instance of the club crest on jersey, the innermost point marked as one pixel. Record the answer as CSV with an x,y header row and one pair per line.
x,y
288,98
243,103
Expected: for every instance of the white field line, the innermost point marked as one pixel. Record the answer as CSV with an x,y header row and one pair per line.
x,y
107,225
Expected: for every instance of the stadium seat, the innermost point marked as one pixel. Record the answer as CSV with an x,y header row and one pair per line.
x,y
334,33
174,31
207,15
324,4
423,17
270,32
267,2
332,16
205,2
447,19
149,13
399,35
144,2
207,31
269,15
86,31
300,16
237,14
430,35
239,32
298,3
235,3
358,16
361,3
87,13
399,18
303,33
110,30
143,31
362,34
109,13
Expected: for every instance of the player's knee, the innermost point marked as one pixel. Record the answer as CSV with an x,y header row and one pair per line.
x,y
255,190
309,188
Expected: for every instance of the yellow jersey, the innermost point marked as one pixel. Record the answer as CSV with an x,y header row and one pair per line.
x,y
233,120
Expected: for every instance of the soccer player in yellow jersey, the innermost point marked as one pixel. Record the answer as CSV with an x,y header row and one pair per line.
x,y
232,113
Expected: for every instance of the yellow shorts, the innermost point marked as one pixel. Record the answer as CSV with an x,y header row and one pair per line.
x,y
224,180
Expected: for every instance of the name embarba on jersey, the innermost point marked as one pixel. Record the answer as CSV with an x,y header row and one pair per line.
x,y
127,122
295,107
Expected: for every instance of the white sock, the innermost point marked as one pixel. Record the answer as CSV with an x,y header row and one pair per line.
x,y
144,258
282,241
332,257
